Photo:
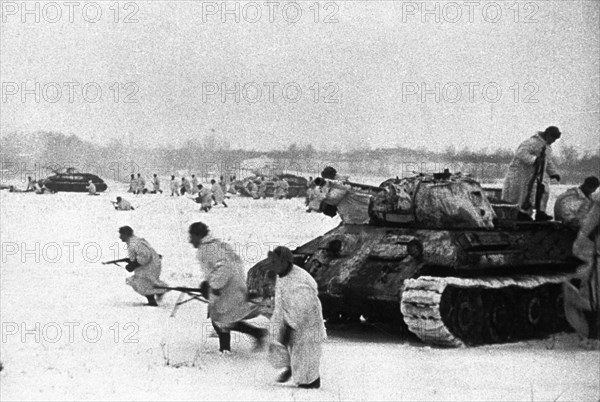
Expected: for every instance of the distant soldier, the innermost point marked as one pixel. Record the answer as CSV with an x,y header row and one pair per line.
x,y
253,189
262,188
122,205
572,206
223,185
91,188
224,286
205,198
519,184
174,186
141,184
30,184
146,265
156,185
194,185
133,185
185,186
297,322
217,193
281,188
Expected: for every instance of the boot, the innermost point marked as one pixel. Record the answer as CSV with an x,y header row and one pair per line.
x,y
285,375
152,301
541,216
313,385
523,217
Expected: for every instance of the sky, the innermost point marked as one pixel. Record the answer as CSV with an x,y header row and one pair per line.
x,y
339,75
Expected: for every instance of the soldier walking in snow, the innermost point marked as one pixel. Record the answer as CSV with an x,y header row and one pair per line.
x,y
224,286
156,185
141,184
534,154
185,186
146,265
205,198
217,193
133,185
194,185
174,186
297,322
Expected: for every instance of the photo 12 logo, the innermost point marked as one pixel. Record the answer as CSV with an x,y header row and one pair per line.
x,y
454,12
69,92
69,332
468,92
270,92
269,11
27,12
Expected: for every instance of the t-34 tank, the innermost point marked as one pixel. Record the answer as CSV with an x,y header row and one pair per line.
x,y
71,180
434,252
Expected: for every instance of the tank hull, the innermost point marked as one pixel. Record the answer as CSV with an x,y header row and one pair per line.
x,y
364,270
77,182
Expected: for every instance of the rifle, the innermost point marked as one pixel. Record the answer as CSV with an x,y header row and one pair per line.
x,y
537,179
195,294
116,262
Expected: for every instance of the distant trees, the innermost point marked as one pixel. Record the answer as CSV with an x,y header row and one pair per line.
x,y
215,150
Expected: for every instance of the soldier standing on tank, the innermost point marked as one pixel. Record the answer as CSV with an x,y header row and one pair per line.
x,y
518,186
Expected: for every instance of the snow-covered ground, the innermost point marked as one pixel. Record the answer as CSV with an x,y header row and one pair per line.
x,y
72,329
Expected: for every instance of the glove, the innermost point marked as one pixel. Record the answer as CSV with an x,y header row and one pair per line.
x,y
555,176
205,289
132,266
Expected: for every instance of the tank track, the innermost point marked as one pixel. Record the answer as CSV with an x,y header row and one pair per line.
x,y
449,311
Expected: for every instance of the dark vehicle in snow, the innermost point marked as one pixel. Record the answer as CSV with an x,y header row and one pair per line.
x,y
70,180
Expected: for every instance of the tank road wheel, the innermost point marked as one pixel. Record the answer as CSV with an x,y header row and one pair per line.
x,y
467,316
499,309
536,312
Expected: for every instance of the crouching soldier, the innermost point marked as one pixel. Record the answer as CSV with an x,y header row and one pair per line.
x,y
297,322
572,206
145,263
91,187
122,205
225,288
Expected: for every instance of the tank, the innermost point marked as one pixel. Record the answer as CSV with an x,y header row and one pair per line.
x,y
435,255
73,181
297,186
